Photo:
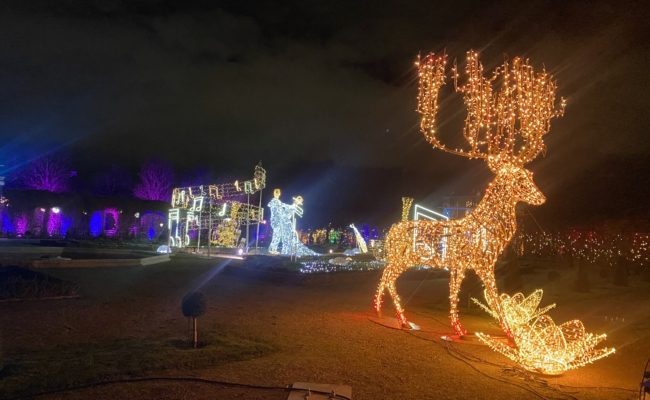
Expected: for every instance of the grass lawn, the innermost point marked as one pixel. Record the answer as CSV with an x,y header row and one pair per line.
x,y
273,328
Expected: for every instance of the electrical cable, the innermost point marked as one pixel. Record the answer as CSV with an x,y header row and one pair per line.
x,y
176,379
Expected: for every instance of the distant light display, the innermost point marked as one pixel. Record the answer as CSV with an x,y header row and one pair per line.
x,y
539,344
591,246
361,243
283,223
508,114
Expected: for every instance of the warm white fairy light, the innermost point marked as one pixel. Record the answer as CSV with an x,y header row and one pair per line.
x,y
539,344
507,116
285,239
361,243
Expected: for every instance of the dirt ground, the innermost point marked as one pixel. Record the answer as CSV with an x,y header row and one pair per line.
x,y
323,330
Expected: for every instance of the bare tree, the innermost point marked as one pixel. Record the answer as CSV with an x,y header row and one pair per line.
x,y
156,180
48,173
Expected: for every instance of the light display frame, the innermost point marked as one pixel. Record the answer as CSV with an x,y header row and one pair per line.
x,y
210,207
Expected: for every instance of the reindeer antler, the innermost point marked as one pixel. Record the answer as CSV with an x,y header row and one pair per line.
x,y
508,114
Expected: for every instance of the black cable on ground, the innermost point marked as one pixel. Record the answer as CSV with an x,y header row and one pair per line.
x,y
176,379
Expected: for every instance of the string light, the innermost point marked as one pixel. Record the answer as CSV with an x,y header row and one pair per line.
x,y
507,116
228,232
195,207
361,243
407,202
539,344
590,246
283,223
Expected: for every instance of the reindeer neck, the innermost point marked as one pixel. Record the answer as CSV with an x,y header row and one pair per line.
x,y
496,210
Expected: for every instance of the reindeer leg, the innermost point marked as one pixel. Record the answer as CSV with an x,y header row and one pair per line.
x,y
492,298
378,300
398,306
455,279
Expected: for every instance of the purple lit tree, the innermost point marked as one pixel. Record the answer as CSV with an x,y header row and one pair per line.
x,y
156,179
51,174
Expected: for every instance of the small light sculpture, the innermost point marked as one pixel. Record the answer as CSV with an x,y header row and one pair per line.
x,y
508,115
361,243
539,344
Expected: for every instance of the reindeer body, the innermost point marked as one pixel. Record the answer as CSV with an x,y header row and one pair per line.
x,y
473,242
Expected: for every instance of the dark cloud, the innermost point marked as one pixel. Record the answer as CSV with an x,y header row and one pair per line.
x,y
303,84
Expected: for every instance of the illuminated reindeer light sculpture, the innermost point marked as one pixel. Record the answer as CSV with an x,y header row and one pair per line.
x,y
507,116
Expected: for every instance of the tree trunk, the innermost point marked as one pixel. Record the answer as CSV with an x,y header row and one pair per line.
x,y
196,336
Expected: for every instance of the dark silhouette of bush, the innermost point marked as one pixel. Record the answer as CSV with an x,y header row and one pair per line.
x,y
193,306
23,283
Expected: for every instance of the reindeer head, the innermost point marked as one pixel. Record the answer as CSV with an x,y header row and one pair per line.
x,y
518,183
508,114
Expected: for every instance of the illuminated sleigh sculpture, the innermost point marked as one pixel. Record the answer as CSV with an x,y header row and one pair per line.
x,y
538,344
507,116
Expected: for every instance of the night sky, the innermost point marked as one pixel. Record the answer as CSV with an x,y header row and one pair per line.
x,y
323,92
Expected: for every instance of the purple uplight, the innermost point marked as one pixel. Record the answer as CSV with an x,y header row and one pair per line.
x,y
66,223
5,221
22,223
53,222
150,222
38,221
96,219
111,221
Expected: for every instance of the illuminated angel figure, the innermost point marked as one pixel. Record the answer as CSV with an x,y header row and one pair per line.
x,y
508,115
539,344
